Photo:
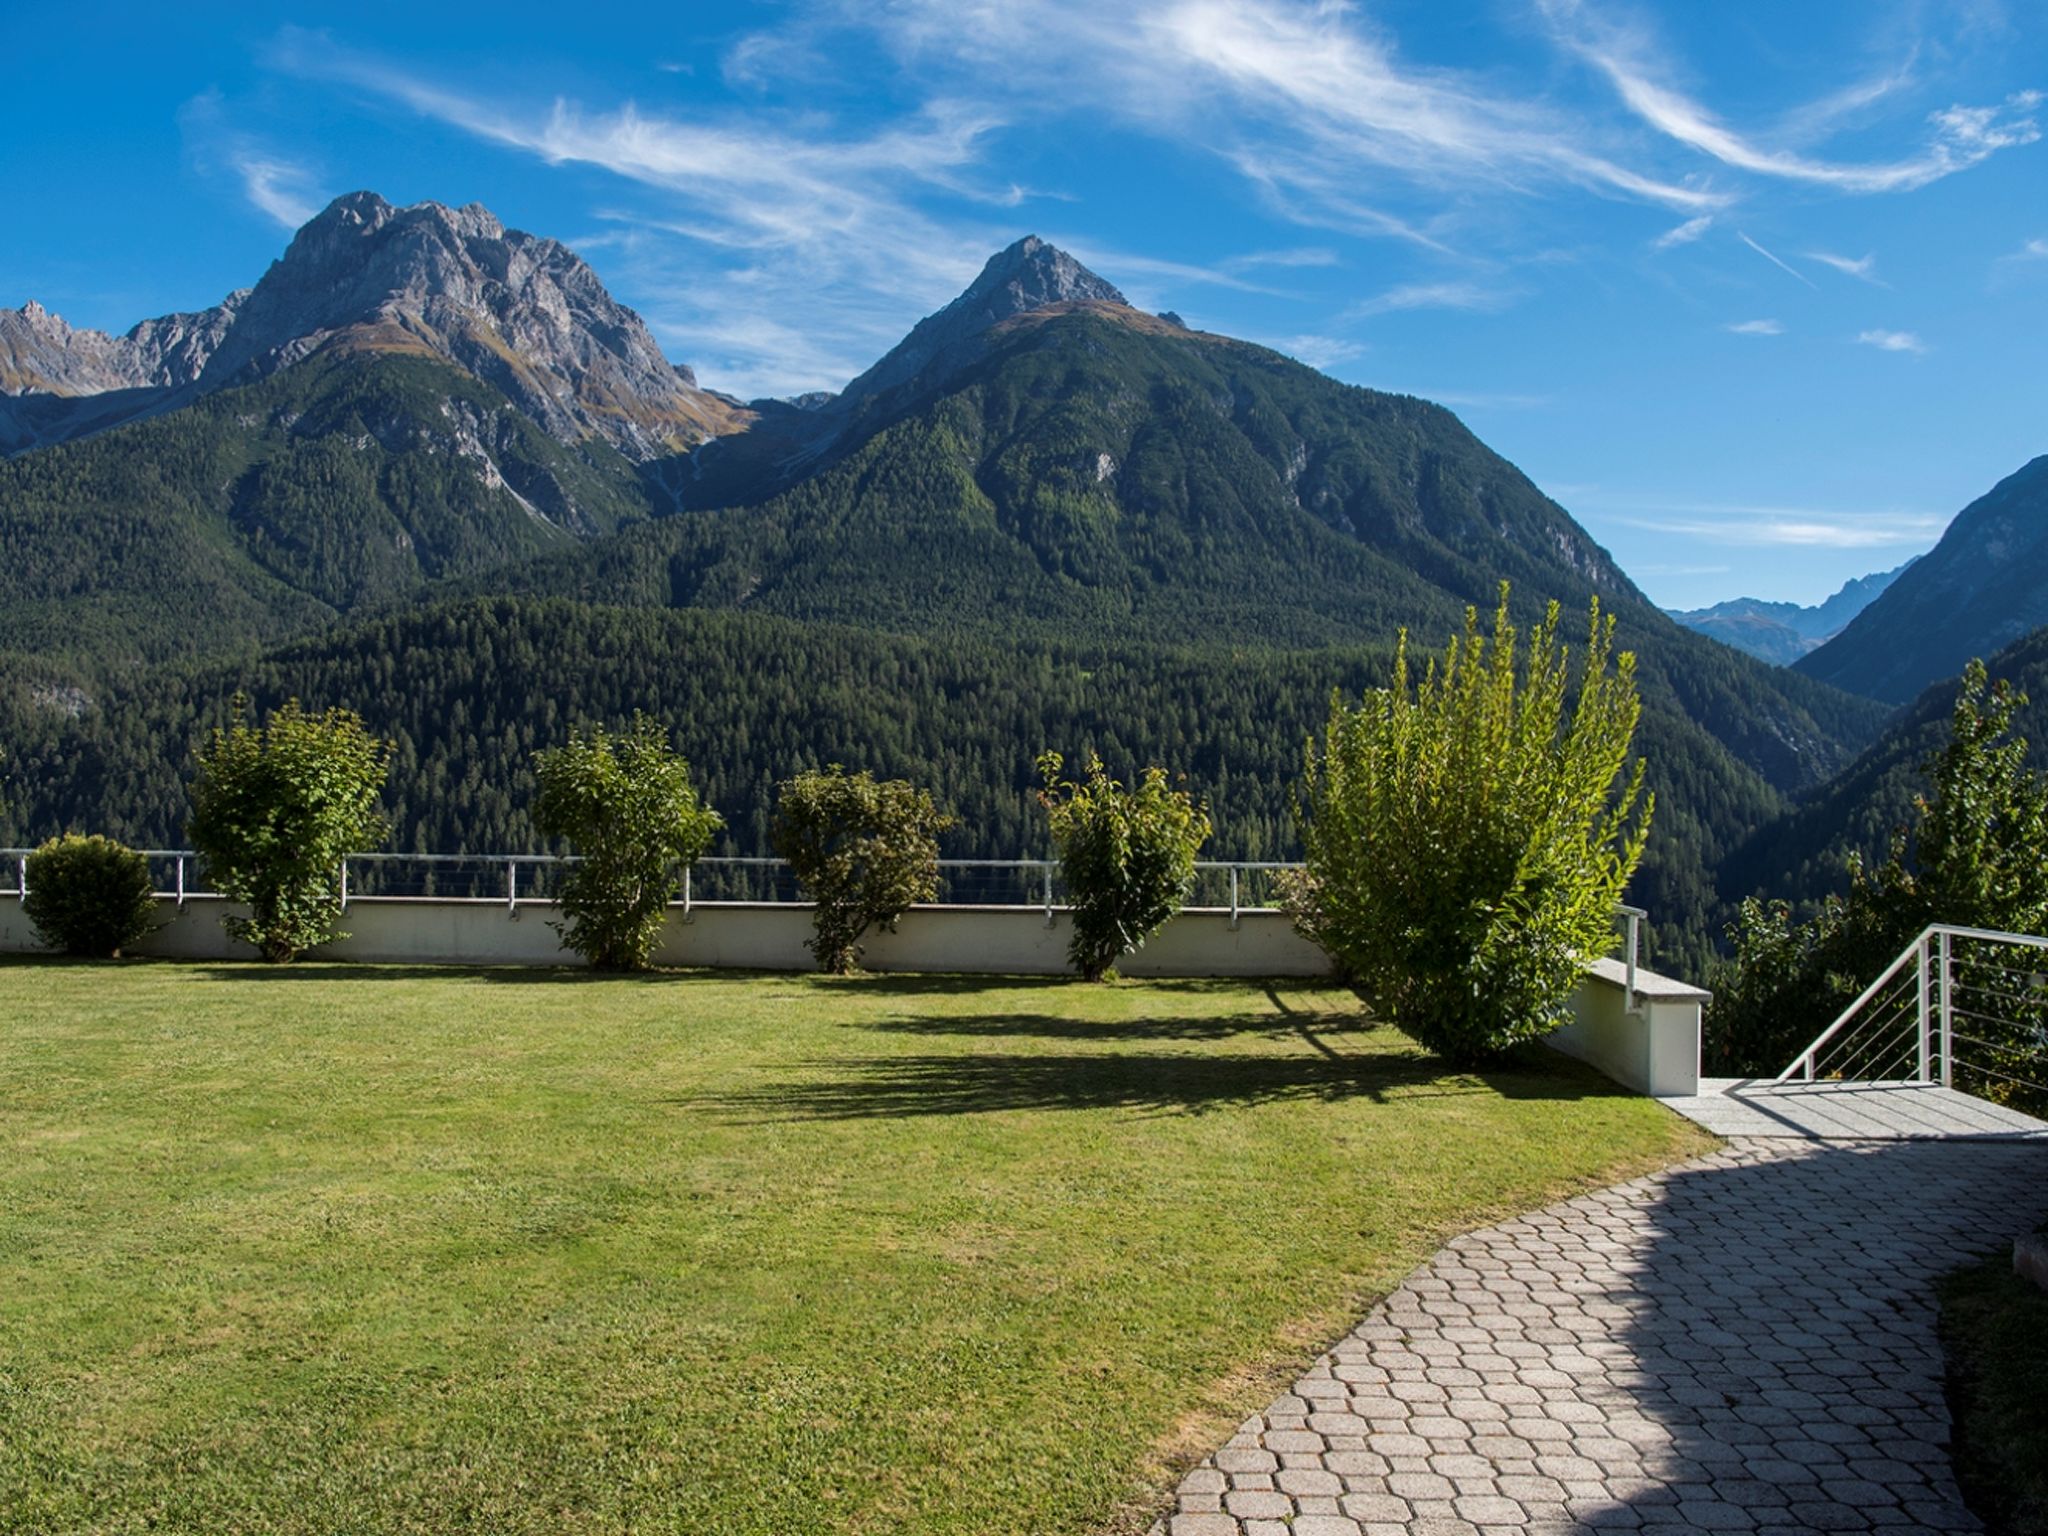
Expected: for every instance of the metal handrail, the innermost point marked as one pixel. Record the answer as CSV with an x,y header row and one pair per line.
x,y
1920,1029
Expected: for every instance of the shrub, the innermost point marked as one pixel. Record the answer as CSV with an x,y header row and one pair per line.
x,y
1127,856
276,810
89,895
1465,844
1973,858
864,851
627,805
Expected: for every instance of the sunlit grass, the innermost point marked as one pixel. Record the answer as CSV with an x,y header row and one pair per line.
x,y
375,1249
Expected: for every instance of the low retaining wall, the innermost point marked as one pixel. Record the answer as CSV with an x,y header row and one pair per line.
x,y
767,936
1653,1048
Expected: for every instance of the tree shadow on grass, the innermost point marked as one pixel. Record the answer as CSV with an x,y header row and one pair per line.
x,y
902,1087
1049,1026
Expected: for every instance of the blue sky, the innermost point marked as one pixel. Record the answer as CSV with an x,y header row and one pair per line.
x,y
1757,290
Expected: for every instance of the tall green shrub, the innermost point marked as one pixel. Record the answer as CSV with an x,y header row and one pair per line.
x,y
627,805
89,895
1127,856
276,809
864,851
1465,841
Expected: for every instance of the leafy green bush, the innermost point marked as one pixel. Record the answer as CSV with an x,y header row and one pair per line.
x,y
1464,842
627,804
1127,856
274,812
865,852
89,895
1974,859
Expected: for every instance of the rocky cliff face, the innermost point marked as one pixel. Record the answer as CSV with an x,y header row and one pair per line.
x,y
41,354
520,312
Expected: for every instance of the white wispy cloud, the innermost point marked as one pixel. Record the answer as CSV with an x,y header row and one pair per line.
x,y
1959,136
1779,527
1864,267
1756,328
1776,261
1448,295
1892,341
280,187
1319,351
1683,234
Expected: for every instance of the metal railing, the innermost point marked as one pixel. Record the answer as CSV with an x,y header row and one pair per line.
x,y
516,879
1963,1007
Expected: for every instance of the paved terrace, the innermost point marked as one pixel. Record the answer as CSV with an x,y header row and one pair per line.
x,y
1744,1343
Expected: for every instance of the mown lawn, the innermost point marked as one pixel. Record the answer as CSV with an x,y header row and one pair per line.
x,y
377,1249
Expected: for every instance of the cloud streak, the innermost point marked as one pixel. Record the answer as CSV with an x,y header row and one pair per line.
x,y
1778,262
1768,527
1892,341
1861,267
1960,136
1755,328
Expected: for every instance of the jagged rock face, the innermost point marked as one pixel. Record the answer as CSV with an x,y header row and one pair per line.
x,y
1027,276
41,354
523,313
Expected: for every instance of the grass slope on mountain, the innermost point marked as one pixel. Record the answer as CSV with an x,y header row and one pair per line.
x,y
1982,587
470,691
1802,855
1092,480
270,510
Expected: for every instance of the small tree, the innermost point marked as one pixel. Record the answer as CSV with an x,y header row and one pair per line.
x,y
864,851
1127,856
89,895
1465,843
627,805
276,810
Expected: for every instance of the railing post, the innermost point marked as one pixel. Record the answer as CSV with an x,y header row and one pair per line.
x,y
687,917
21,877
1628,993
1926,1019
511,885
1046,871
1947,1019
344,885
1233,898
181,880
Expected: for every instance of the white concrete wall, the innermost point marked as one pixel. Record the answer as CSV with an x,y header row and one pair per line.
x,y
769,936
1655,1048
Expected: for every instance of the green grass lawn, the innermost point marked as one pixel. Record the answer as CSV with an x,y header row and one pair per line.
x,y
374,1249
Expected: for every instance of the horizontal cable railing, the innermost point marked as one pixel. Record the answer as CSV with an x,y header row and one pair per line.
x,y
1233,885
1963,1007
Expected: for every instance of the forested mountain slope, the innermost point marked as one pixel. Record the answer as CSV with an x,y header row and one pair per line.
x,y
1101,477
279,507
471,690
1802,854
1982,587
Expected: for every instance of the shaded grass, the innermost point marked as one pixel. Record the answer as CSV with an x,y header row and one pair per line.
x,y
1994,1330
406,1250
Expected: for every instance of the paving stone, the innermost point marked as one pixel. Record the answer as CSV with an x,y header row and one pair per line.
x,y
1744,1342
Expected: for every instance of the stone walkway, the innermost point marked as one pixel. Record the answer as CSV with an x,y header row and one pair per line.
x,y
1742,1343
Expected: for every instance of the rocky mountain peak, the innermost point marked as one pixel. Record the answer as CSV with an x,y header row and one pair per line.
x,y
524,313
1029,275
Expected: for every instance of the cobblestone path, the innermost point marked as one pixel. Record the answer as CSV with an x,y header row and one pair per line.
x,y
1745,1342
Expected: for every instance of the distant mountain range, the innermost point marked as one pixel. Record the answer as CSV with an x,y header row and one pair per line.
x,y
1781,633
429,468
